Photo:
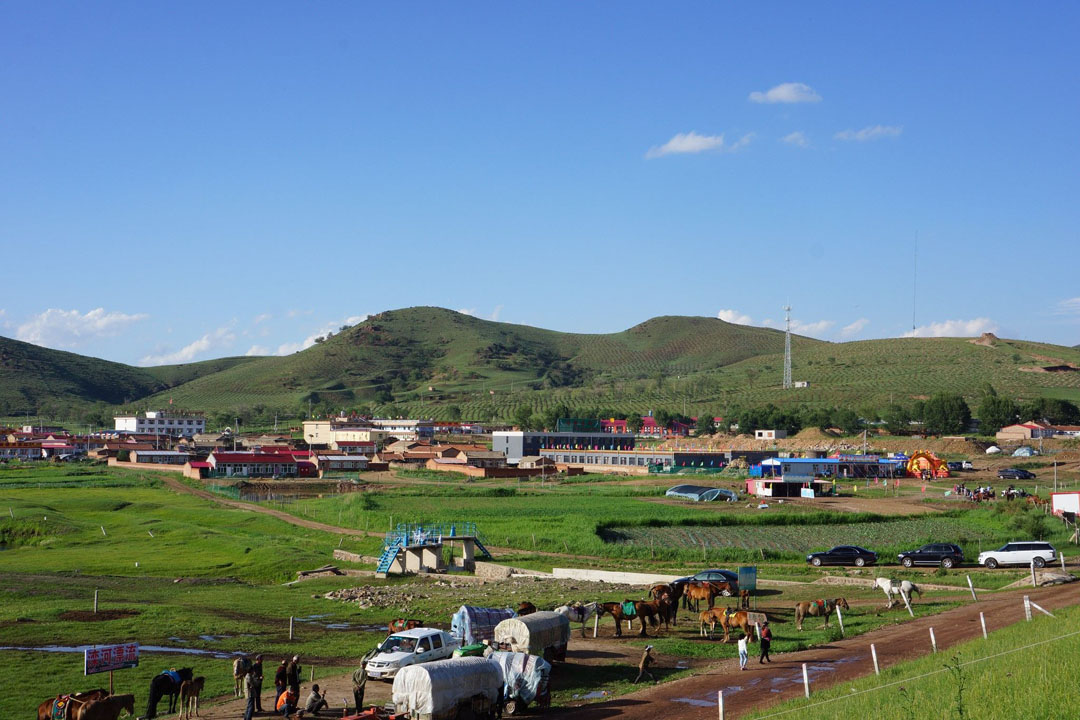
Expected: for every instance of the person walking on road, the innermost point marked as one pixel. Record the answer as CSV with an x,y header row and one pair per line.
x,y
252,695
647,660
359,679
766,641
256,674
292,675
743,651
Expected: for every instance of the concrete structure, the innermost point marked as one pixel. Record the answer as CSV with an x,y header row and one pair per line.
x,y
770,434
161,422
405,429
609,576
516,444
339,463
159,457
1024,431
1066,431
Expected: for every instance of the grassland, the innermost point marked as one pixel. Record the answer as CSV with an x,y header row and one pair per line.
x,y
487,370
1021,671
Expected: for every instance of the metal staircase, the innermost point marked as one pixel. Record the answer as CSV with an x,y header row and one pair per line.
x,y
390,553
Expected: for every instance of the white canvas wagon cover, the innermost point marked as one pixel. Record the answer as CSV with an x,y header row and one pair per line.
x,y
534,633
434,689
471,625
524,676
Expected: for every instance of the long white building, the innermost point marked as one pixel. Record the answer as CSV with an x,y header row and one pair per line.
x,y
161,422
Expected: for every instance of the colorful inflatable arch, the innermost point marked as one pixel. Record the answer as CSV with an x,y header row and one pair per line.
x,y
924,460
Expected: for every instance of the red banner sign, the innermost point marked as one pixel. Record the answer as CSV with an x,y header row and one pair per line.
x,y
103,658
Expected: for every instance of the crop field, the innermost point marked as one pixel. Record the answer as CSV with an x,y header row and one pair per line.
x,y
908,532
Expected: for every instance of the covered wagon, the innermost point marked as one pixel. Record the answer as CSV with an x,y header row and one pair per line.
x,y
542,633
471,625
449,689
525,680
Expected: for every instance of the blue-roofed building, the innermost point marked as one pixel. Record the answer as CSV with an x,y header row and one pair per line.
x,y
811,477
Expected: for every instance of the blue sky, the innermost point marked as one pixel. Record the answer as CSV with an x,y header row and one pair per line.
x,y
190,180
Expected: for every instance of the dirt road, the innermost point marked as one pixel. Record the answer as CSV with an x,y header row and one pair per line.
x,y
764,685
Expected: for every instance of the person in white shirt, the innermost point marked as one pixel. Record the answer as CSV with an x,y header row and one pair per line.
x,y
743,656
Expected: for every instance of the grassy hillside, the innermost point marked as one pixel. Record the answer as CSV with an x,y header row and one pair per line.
x,y
434,362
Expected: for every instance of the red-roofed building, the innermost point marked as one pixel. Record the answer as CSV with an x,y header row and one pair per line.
x,y
252,464
1024,431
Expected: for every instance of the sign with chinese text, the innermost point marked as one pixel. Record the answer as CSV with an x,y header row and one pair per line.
x,y
104,658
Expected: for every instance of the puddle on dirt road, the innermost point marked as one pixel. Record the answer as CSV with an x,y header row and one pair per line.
x,y
594,695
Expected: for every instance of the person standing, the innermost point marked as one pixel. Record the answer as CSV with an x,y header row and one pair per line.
x,y
743,651
647,660
256,674
292,675
766,641
252,695
280,677
359,679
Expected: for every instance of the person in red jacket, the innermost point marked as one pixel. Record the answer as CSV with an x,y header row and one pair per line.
x,y
766,641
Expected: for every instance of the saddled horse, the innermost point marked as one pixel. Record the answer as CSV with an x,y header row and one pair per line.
x,y
674,591
579,613
526,608
696,592
642,611
892,588
818,608
399,624
165,684
70,705
655,611
108,708
615,610
727,620
241,666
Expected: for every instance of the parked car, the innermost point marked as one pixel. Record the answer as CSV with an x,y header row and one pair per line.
x,y
843,555
955,466
945,554
1019,553
967,465
1015,474
410,647
728,576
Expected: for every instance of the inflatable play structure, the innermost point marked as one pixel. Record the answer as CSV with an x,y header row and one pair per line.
x,y
924,461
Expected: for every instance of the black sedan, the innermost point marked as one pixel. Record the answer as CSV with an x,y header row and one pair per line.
x,y
732,578
843,555
945,554
1015,474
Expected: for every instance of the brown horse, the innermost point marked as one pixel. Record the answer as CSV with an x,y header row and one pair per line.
x,y
399,624
614,609
526,608
818,608
108,708
76,702
744,599
654,611
696,592
738,619
189,695
674,591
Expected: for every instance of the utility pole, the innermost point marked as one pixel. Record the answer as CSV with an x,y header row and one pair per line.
x,y
787,347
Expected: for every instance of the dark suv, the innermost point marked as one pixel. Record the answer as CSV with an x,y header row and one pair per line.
x,y
1015,474
945,554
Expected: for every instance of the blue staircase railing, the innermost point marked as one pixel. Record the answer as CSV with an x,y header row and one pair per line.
x,y
390,553
417,534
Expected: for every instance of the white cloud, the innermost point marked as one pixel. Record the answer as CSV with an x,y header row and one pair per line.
x,y
797,138
954,328
327,328
496,312
692,142
70,328
355,319
221,338
467,311
734,316
811,328
297,313
870,132
786,93
257,351
263,318
1065,307
854,328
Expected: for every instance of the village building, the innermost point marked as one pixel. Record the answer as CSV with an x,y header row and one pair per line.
x,y
159,457
251,464
1031,430
162,422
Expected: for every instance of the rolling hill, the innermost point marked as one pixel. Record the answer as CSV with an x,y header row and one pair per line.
x,y
436,362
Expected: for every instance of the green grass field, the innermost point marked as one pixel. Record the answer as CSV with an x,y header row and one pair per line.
x,y
1022,671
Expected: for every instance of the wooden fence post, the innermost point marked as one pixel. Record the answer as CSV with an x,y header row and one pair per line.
x,y
982,620
720,703
596,624
290,627
873,654
972,588
907,602
840,620
805,680
933,640
95,602
1027,608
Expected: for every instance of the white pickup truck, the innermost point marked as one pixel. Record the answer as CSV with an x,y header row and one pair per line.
x,y
410,647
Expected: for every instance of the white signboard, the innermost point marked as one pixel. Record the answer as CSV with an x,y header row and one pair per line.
x,y
105,658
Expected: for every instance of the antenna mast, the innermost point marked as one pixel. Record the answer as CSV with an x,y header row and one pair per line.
x,y
787,347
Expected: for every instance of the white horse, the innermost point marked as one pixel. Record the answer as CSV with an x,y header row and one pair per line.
x,y
578,613
240,668
903,588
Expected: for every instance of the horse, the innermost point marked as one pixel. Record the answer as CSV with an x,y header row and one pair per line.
x,y
75,702
399,624
654,611
738,619
696,592
891,587
108,708
189,695
526,608
241,666
672,590
578,613
615,609
164,684
710,618
819,608
744,599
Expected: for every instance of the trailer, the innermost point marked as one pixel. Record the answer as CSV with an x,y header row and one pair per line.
x,y
471,625
525,680
455,689
545,634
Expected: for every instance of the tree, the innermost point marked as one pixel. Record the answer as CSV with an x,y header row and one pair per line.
x,y
523,417
947,413
995,412
705,424
663,418
1053,410
848,420
897,420
453,413
633,423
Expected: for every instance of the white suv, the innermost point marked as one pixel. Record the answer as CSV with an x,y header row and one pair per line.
x,y
1019,553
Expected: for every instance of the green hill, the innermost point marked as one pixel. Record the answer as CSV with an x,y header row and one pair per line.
x,y
435,362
